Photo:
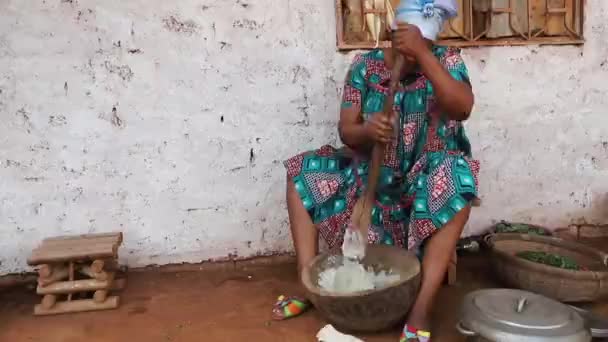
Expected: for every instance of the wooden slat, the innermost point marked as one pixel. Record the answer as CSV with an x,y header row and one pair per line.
x,y
69,253
48,301
493,42
458,26
73,243
481,16
516,42
500,21
578,16
114,236
77,306
555,22
519,18
339,22
508,24
537,14
67,287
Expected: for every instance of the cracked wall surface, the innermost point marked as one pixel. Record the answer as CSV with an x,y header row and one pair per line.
x,y
169,120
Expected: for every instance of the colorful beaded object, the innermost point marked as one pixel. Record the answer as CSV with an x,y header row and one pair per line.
x,y
288,307
412,334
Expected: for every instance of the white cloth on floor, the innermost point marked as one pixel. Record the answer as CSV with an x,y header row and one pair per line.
x,y
330,334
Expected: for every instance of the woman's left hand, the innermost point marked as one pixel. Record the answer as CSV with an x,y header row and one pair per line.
x,y
408,40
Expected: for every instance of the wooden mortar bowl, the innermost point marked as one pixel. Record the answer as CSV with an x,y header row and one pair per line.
x,y
372,310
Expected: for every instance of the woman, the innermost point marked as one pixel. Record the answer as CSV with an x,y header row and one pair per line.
x,y
427,178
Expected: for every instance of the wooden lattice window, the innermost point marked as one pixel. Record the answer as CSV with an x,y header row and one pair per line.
x,y
479,23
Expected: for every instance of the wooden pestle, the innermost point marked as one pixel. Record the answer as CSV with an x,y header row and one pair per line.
x,y
362,211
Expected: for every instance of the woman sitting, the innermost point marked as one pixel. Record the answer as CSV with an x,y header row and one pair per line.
x,y
427,180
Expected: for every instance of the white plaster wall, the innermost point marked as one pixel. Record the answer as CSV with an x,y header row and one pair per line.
x,y
169,120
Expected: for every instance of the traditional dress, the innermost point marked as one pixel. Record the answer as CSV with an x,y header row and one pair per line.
x,y
427,174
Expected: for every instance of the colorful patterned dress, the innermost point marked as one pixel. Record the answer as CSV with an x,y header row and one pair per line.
x,y
427,175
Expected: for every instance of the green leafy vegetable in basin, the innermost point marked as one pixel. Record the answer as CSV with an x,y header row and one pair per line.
x,y
550,259
522,228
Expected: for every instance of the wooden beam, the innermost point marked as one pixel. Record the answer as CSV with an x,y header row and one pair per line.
x,y
556,16
90,272
72,253
58,272
77,306
100,296
70,287
479,43
97,265
499,20
114,237
44,270
48,301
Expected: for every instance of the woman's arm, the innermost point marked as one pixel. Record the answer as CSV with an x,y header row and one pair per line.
x,y
355,132
352,130
350,126
454,97
359,135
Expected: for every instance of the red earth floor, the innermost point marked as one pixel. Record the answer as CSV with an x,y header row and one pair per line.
x,y
210,306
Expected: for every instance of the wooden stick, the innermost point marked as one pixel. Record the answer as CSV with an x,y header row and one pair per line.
x,y
90,272
45,270
48,301
78,306
97,266
362,212
69,287
59,272
108,265
100,296
71,277
339,22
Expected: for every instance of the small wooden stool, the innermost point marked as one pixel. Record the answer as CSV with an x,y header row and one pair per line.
x,y
451,276
77,265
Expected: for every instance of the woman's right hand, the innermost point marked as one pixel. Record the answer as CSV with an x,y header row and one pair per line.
x,y
379,128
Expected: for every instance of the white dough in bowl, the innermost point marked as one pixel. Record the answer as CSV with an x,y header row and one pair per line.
x,y
351,276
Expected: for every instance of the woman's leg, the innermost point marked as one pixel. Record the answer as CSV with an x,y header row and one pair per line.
x,y
303,232
437,255
306,243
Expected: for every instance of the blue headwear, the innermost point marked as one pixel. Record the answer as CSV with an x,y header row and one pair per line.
x,y
428,15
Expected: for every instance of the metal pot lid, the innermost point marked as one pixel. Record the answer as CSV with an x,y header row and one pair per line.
x,y
515,315
597,324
